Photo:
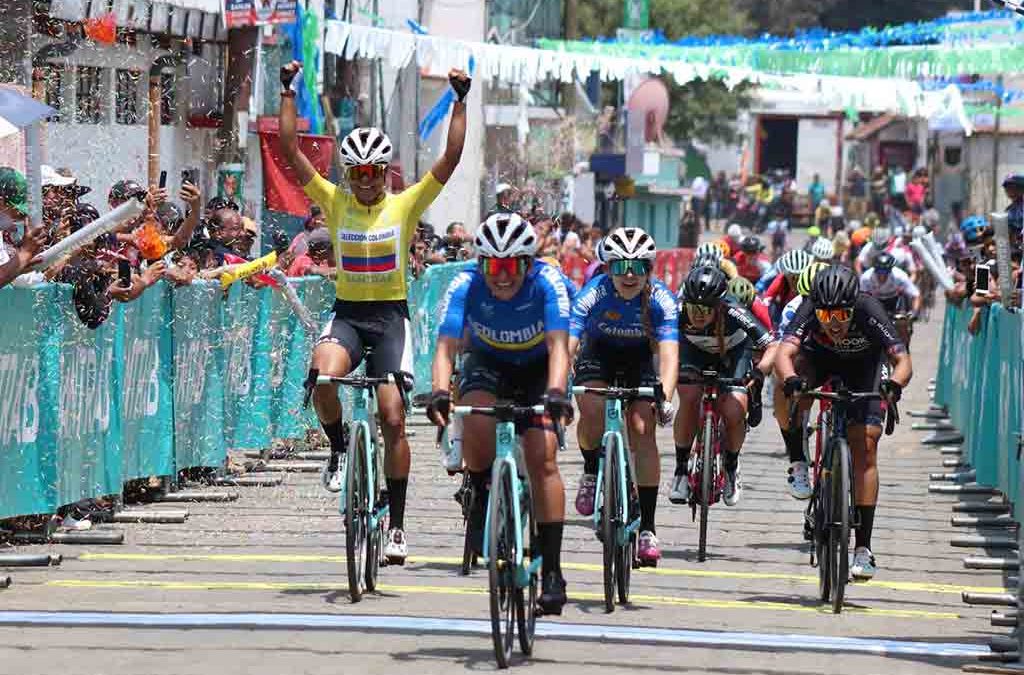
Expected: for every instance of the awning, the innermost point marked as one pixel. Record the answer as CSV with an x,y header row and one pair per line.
x,y
869,129
182,18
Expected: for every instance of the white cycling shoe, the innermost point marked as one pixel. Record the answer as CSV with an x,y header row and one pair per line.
x,y
680,492
799,481
733,488
397,549
863,567
334,481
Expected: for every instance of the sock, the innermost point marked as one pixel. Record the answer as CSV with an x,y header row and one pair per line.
x,y
682,460
794,445
396,502
730,460
336,435
550,536
648,504
862,537
590,461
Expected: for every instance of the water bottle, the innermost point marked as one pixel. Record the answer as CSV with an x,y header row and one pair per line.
x,y
451,446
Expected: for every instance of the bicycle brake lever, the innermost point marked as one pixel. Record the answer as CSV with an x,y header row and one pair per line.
x,y
308,385
559,434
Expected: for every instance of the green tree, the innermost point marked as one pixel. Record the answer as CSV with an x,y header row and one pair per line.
x,y
705,110
782,17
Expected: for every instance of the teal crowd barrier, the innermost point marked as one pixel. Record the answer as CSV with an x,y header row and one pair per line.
x,y
169,381
980,381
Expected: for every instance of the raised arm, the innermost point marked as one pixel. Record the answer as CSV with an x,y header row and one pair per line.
x,y
445,166
289,139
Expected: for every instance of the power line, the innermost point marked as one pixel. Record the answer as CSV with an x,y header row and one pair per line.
x,y
1015,5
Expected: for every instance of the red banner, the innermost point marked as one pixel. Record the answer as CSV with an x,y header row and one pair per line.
x,y
280,184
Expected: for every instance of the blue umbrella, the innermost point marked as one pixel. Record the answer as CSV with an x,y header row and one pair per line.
x,y
17,111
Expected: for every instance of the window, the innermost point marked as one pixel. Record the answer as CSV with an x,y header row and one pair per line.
x,y
168,112
53,84
127,97
89,95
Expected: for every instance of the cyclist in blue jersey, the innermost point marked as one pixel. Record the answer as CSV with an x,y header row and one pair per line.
x,y
716,333
516,314
618,321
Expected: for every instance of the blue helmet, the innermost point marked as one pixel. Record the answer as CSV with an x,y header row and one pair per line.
x,y
973,228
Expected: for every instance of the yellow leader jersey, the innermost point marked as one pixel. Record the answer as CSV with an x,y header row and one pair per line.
x,y
371,243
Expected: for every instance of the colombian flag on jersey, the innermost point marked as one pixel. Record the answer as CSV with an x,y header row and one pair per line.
x,y
372,252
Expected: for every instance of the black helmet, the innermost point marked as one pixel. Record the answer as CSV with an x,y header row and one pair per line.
x,y
750,244
835,286
705,285
884,262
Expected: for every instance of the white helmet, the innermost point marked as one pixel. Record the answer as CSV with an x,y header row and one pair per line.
x,y
881,236
629,243
735,232
822,249
709,250
599,252
794,262
506,235
365,145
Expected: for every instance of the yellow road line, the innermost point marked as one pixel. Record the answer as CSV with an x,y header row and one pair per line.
x,y
908,586
477,590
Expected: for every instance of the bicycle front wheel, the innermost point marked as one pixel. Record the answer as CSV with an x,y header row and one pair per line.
x,y
466,497
357,512
611,504
707,477
501,565
840,522
526,598
823,534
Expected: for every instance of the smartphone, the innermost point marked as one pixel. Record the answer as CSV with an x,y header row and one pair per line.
x,y
296,81
124,273
163,179
981,279
187,177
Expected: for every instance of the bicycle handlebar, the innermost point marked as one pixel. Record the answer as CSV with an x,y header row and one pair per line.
x,y
617,392
892,417
711,377
314,378
511,411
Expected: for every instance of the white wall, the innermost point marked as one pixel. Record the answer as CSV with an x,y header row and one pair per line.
x,y
817,152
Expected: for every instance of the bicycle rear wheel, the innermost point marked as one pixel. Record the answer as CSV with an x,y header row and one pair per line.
x,y
611,504
822,536
501,563
357,513
375,535
466,498
840,523
707,477
526,598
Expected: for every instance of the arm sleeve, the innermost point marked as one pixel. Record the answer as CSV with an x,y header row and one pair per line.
x,y
321,191
581,307
453,307
877,325
758,334
556,300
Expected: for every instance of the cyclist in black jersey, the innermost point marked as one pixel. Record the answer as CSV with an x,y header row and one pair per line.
x,y
845,333
715,333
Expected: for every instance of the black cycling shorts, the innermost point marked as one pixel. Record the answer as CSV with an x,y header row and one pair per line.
x,y
383,326
617,366
858,375
735,364
522,384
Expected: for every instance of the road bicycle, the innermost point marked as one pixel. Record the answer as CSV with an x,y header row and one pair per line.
x,y
616,516
706,471
831,512
510,533
364,504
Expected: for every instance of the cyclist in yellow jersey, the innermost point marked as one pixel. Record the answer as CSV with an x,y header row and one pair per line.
x,y
371,231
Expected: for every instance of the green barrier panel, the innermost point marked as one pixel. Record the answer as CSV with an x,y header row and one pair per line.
x,y
29,398
89,445
198,376
247,367
425,299
144,377
291,349
979,380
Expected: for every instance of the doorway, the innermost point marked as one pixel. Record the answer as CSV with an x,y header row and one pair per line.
x,y
776,144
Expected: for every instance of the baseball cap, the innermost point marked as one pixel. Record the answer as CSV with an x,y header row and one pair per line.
x,y
50,176
14,189
502,187
218,203
123,190
1014,179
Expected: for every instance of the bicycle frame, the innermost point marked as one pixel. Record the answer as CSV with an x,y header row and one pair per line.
x,y
363,413
506,455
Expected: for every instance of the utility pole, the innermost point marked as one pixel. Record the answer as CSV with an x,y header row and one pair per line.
x,y
996,128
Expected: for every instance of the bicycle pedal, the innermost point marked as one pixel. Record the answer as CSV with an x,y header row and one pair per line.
x,y
394,561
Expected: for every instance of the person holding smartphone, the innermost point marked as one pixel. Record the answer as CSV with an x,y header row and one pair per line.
x,y
371,232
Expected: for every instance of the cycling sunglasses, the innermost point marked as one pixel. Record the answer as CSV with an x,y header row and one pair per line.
x,y
695,310
620,268
365,172
493,267
837,315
